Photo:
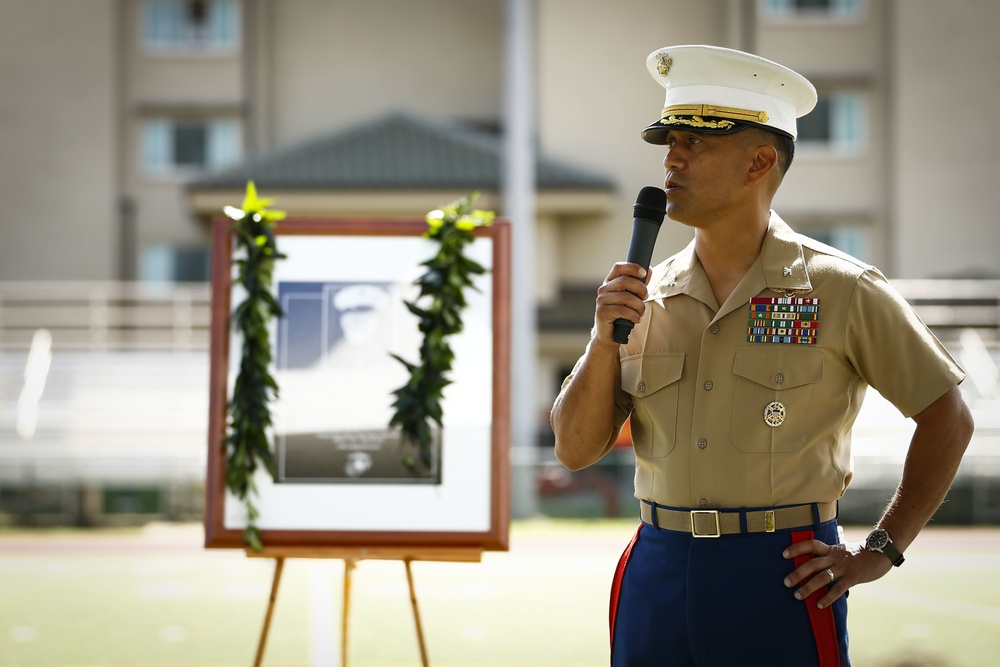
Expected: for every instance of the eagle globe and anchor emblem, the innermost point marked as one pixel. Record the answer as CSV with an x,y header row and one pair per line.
x,y
774,414
663,63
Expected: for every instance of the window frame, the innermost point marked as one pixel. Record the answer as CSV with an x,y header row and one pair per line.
x,y
785,11
850,126
224,144
187,45
163,262
851,237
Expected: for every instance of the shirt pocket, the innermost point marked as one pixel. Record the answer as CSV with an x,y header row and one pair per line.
x,y
653,381
773,398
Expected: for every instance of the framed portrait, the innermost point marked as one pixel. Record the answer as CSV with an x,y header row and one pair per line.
x,y
341,478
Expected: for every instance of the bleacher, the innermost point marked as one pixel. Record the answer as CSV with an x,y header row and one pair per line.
x,y
103,401
110,424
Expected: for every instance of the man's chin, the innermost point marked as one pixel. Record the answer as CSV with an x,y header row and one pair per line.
x,y
677,215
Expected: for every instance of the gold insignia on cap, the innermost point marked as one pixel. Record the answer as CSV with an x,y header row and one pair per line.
x,y
774,414
698,121
714,111
663,63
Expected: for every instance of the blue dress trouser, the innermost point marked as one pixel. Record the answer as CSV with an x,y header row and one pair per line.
x,y
681,601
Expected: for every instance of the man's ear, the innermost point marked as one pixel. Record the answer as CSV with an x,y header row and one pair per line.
x,y
764,162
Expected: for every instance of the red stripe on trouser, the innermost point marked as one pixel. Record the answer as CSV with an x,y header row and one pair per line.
x,y
616,584
823,626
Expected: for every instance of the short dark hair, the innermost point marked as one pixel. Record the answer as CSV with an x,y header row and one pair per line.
x,y
783,144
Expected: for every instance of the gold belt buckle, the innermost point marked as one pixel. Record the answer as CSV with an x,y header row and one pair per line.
x,y
694,529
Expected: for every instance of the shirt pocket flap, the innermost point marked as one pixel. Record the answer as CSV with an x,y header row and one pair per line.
x,y
779,368
645,374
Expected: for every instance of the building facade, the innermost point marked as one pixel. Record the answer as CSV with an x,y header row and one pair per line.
x,y
111,109
111,106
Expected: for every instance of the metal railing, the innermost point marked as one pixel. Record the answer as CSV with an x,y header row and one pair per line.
x,y
151,316
951,306
106,316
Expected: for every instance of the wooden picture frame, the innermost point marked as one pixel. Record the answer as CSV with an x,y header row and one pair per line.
x,y
468,505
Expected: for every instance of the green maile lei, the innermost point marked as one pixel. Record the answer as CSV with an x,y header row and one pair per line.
x,y
439,306
247,444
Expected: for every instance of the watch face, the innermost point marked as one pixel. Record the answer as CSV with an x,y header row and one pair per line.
x,y
877,539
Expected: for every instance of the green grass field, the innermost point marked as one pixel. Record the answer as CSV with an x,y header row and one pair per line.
x,y
153,596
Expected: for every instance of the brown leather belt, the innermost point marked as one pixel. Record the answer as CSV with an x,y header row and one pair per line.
x,y
715,523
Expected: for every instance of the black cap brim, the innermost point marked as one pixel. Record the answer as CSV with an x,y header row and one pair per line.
x,y
657,132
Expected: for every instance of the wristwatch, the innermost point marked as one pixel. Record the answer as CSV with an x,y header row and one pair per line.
x,y
879,540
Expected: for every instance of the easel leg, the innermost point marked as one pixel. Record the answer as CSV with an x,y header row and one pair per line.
x,y
349,565
416,614
279,565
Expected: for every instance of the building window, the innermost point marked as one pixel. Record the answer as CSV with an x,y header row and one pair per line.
x,y
170,146
851,239
837,124
171,263
813,9
191,25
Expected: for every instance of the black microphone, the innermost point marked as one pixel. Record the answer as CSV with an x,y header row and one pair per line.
x,y
647,216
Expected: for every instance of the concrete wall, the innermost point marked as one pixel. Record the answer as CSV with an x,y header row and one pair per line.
x,y
58,140
946,142
336,64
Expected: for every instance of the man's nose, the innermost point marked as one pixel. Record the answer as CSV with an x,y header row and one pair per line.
x,y
673,160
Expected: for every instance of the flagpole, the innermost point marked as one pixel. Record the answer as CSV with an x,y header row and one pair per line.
x,y
519,206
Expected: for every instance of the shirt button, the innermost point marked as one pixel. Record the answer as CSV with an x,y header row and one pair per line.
x,y
715,329
703,503
703,443
779,378
642,386
709,385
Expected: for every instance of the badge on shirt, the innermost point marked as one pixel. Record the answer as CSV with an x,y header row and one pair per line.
x,y
774,414
791,320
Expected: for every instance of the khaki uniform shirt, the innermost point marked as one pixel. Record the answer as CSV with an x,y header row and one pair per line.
x,y
697,389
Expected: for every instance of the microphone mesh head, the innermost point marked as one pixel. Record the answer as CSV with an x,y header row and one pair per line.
x,y
650,204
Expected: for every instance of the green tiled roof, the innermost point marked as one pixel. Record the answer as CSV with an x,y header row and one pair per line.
x,y
396,152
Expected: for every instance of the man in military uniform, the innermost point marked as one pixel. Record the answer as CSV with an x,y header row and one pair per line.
x,y
748,363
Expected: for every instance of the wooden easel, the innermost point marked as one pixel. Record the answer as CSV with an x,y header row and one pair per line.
x,y
351,556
